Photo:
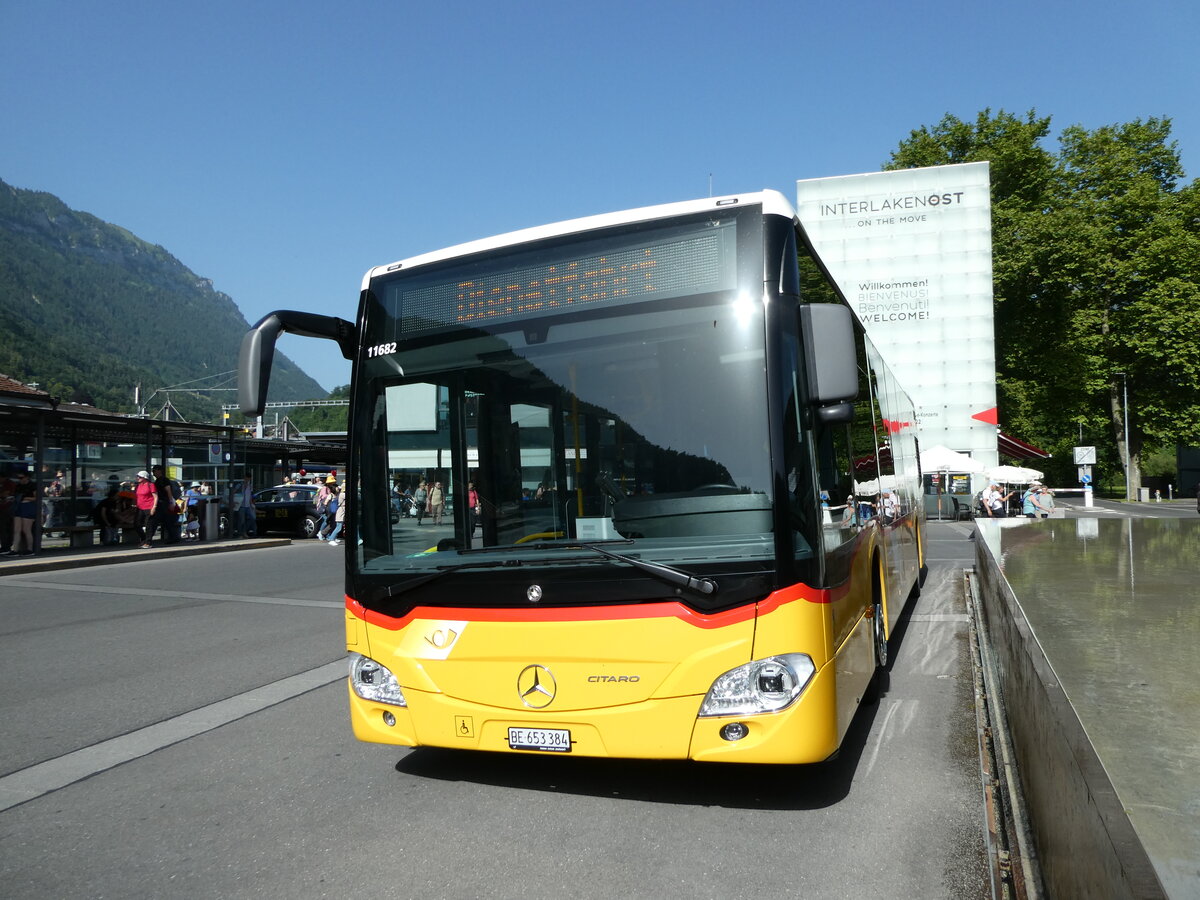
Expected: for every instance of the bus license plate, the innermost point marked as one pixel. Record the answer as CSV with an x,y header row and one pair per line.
x,y
556,740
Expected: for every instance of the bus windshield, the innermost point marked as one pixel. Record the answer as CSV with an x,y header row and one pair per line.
x,y
642,423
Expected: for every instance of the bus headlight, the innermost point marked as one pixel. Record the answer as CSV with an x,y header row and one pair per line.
x,y
371,681
761,686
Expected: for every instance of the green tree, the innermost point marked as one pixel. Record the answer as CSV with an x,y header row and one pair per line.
x,y
1132,250
1096,273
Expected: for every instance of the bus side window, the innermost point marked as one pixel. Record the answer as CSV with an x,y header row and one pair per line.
x,y
833,476
839,511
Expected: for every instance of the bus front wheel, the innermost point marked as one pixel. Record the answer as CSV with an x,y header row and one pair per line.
x,y
879,677
880,632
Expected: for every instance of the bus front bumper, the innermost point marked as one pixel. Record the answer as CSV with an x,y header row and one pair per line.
x,y
666,728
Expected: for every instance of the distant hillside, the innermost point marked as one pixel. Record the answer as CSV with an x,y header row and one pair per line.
x,y
88,311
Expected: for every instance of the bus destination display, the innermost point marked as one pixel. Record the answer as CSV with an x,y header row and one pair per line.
x,y
699,262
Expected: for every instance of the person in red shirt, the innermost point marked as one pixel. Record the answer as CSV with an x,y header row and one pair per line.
x,y
147,502
473,506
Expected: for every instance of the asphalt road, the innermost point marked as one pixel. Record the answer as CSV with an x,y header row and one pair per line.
x,y
178,728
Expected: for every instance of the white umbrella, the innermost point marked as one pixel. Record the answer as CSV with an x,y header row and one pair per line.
x,y
943,459
1013,474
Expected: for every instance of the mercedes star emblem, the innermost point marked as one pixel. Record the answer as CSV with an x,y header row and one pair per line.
x,y
536,687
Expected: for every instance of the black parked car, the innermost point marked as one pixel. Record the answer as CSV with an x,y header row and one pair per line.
x,y
287,507
291,508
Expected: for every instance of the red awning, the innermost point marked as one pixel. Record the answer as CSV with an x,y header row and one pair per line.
x,y
1015,448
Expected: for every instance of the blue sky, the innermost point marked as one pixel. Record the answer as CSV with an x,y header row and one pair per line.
x,y
281,149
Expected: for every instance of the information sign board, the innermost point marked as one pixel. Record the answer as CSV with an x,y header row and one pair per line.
x,y
912,252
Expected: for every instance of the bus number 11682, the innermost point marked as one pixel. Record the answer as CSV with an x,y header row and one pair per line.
x,y
382,349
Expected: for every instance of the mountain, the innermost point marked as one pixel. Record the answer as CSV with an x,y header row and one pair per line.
x,y
88,311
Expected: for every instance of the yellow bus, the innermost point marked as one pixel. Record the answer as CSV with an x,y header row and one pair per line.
x,y
672,492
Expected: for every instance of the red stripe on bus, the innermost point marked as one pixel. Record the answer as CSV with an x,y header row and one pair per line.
x,y
668,609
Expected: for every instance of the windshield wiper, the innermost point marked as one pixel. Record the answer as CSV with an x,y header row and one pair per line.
x,y
669,574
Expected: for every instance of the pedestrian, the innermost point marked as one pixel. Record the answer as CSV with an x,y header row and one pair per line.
x,y
474,507
24,516
166,510
331,508
146,499
849,512
191,528
421,499
1044,500
437,502
247,524
321,504
55,503
194,494
339,517
994,502
104,516
1029,507
7,511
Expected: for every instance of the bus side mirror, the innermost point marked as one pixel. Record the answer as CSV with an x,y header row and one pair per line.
x,y
827,330
254,365
258,350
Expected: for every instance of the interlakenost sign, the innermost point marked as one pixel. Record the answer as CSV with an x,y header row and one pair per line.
x,y
912,252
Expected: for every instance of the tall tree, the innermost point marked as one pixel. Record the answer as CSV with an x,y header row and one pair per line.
x,y
1132,254
1096,273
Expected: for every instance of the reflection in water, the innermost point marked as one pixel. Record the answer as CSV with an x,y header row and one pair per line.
x,y
1113,603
